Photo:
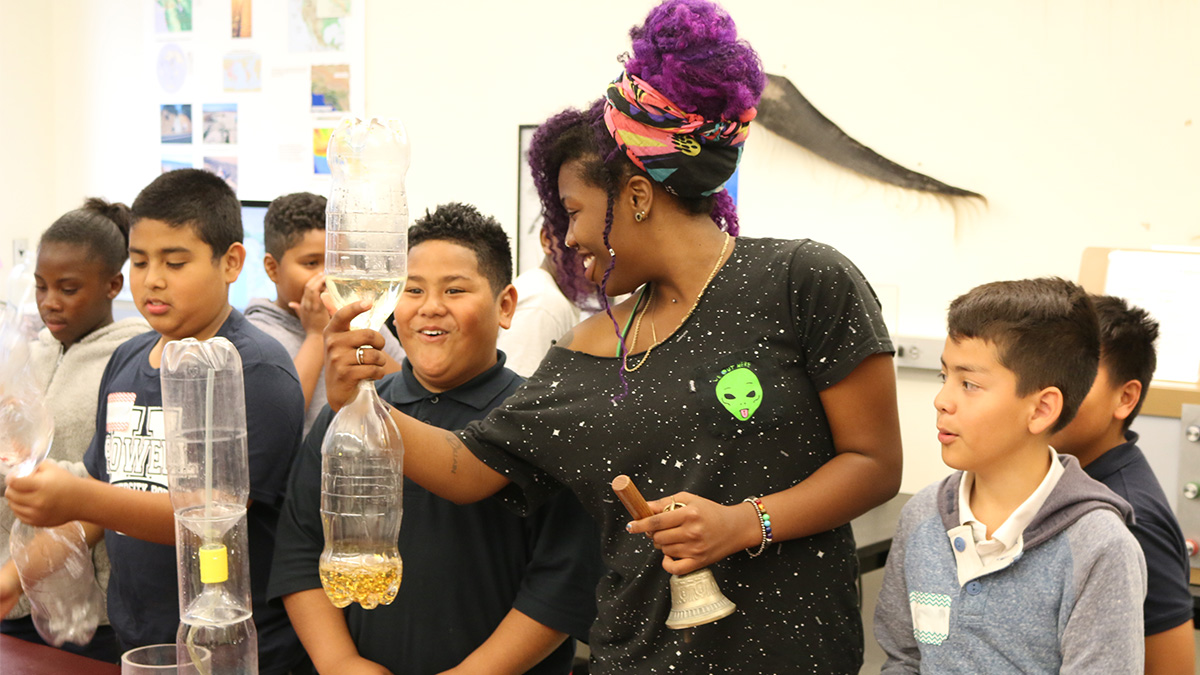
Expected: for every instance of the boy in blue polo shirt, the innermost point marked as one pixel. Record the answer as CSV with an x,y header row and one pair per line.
x,y
1018,562
1100,438
484,590
184,249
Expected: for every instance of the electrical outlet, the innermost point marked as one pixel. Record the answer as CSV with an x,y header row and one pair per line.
x,y
924,353
20,245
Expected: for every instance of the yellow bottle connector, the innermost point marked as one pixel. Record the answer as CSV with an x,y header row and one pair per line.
x,y
214,564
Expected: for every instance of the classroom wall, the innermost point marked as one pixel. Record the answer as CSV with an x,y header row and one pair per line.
x,y
1077,120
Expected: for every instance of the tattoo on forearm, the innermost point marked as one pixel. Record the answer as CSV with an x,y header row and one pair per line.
x,y
455,446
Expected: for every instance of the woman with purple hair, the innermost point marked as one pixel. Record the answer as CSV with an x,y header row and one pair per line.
x,y
749,380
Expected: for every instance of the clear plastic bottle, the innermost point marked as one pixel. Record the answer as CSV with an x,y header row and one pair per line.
x,y
208,475
366,258
362,492
26,425
366,218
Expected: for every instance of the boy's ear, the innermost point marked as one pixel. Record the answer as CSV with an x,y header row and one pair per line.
x,y
508,305
271,265
1047,407
115,284
1127,399
231,263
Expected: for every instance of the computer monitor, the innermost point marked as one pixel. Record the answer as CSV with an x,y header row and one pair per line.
x,y
253,281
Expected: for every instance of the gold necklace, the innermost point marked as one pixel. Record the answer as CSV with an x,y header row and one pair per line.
x,y
637,325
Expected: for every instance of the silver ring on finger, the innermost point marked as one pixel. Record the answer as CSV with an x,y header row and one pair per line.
x,y
358,353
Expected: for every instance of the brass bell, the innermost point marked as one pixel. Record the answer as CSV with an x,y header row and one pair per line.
x,y
696,600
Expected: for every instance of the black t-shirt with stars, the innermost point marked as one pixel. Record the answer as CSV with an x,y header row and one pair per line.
x,y
726,408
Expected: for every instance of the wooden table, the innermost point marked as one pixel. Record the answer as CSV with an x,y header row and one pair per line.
x,y
18,657
873,532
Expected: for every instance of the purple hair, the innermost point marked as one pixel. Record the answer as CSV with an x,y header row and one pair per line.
x,y
689,51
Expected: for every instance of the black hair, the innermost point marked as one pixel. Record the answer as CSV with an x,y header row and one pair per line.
x,y
1045,331
289,218
1127,337
194,198
464,225
99,227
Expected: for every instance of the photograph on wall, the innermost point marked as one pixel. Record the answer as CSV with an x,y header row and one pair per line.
x,y
331,88
172,16
177,123
242,71
240,24
224,167
172,67
220,123
317,25
320,146
172,163
529,207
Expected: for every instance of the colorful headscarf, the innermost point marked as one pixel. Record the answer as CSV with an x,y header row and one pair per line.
x,y
687,154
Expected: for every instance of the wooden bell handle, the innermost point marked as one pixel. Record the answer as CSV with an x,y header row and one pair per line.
x,y
628,493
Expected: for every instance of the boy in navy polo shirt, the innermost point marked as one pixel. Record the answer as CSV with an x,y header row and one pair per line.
x,y
484,590
184,249
1099,437
1018,562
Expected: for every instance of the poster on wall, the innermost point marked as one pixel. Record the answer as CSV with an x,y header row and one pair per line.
x,y
220,123
225,168
172,16
263,83
176,123
529,207
241,18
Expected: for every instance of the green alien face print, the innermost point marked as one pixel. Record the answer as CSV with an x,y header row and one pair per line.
x,y
740,392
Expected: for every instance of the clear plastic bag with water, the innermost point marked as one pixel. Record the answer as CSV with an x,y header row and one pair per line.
x,y
362,456
55,567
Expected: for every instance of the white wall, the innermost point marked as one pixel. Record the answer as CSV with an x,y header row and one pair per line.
x,y
1079,121
26,106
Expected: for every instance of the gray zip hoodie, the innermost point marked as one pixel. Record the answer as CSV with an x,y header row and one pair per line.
x,y
286,327
1071,602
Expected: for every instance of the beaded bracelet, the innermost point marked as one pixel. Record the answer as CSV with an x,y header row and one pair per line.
x,y
764,522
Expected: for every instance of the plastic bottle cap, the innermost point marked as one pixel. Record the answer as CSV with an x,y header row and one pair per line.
x,y
214,564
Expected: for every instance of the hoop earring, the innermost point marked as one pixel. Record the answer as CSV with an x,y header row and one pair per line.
x,y
639,216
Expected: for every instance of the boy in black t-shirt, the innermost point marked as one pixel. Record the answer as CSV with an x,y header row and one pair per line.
x,y
1100,438
483,589
185,249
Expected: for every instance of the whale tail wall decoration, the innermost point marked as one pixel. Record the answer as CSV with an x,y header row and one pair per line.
x,y
785,111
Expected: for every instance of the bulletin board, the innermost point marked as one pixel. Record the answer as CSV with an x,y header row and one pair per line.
x,y
251,89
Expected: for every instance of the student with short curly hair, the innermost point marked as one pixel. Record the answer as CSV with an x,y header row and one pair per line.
x,y
484,590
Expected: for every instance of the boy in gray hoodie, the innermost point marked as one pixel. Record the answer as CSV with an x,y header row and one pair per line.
x,y
294,233
1018,562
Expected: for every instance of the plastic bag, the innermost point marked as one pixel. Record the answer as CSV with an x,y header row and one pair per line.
x,y
55,567
26,426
